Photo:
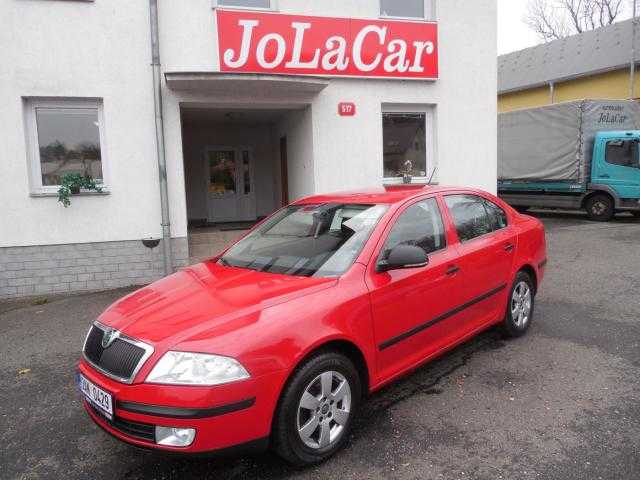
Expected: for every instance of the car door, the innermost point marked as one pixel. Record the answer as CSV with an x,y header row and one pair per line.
x,y
410,307
621,166
487,245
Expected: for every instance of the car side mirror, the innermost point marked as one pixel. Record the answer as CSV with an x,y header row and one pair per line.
x,y
403,256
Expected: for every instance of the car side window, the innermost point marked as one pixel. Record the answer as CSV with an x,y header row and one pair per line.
x,y
420,225
622,152
470,216
497,217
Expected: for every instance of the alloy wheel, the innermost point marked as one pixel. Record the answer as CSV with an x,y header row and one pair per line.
x,y
521,304
324,409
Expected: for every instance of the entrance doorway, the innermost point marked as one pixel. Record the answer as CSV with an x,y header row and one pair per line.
x,y
231,184
240,165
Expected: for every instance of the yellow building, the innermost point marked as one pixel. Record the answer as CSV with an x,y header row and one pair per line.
x,y
594,64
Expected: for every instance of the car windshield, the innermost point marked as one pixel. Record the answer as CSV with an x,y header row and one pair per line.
x,y
307,240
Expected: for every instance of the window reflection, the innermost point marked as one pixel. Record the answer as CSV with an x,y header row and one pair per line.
x,y
69,142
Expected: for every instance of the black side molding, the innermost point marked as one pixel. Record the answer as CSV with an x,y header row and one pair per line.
x,y
177,412
440,318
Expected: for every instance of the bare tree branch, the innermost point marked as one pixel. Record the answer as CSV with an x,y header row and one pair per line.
x,y
554,19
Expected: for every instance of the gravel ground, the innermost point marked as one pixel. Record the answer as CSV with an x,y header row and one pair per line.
x,y
561,403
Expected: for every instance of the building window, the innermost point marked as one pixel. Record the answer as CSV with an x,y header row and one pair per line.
x,y
255,4
407,146
64,136
421,9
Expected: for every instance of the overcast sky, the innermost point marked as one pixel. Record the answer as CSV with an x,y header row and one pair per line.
x,y
513,33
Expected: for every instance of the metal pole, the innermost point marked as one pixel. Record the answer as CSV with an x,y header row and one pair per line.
x,y
632,74
162,162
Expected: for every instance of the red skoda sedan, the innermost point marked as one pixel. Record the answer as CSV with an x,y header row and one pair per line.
x,y
277,340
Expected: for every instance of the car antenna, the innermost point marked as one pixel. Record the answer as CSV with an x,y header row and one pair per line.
x,y
433,172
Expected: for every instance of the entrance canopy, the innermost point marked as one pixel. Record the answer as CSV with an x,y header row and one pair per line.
x,y
255,85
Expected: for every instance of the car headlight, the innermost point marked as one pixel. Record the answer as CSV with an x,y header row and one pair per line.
x,y
186,368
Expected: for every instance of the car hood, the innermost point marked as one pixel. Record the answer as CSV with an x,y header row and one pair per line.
x,y
206,296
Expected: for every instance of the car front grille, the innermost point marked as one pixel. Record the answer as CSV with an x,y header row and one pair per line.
x,y
142,431
121,360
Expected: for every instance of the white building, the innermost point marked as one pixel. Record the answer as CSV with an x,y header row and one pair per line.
x,y
241,139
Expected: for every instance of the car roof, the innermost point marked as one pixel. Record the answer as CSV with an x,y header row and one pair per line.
x,y
387,195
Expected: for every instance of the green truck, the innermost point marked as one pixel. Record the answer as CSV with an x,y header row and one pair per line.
x,y
574,155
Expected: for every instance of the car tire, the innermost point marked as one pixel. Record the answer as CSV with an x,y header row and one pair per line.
x,y
520,306
308,415
600,208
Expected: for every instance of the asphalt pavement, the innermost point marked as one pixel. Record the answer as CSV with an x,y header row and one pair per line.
x,y
563,402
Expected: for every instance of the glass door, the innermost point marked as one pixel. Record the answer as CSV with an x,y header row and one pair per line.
x,y
231,186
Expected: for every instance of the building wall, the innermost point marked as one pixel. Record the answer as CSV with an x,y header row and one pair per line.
x,y
79,49
536,97
101,50
297,126
347,152
609,85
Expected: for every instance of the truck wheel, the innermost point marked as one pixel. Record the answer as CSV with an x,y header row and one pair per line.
x,y
600,207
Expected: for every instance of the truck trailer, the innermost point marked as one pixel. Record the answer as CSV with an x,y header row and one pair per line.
x,y
573,155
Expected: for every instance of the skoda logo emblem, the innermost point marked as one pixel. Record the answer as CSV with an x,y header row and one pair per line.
x,y
109,336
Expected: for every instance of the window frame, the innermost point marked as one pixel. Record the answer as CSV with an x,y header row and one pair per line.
x,y
611,140
33,145
483,199
429,9
429,112
273,6
504,212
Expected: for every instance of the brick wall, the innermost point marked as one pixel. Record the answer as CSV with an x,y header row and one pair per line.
x,y
46,269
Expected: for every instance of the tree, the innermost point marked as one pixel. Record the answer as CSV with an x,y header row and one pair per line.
x,y
554,19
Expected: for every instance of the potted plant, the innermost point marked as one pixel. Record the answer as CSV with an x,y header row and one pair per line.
x,y
73,184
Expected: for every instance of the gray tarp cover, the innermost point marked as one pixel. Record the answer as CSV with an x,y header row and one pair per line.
x,y
555,142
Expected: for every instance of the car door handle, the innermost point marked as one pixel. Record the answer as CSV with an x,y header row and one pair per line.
x,y
605,175
452,269
508,247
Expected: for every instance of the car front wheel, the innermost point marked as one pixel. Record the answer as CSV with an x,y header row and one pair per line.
x,y
519,306
316,409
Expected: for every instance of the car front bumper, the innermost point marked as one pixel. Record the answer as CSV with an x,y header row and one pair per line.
x,y
224,416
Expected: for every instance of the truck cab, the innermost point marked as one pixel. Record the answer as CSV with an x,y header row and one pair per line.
x,y
615,168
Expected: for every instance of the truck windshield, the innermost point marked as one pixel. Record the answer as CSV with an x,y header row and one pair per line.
x,y
307,240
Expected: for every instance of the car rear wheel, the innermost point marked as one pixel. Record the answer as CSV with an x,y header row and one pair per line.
x,y
519,306
316,409
600,208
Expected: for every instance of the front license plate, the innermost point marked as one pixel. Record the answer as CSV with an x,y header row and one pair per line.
x,y
96,396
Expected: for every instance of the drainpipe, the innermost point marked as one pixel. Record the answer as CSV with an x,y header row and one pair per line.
x,y
552,92
632,73
162,161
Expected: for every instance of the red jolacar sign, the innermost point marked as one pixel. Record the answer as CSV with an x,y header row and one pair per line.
x,y
257,42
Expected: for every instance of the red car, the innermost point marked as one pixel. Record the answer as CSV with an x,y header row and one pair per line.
x,y
277,340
